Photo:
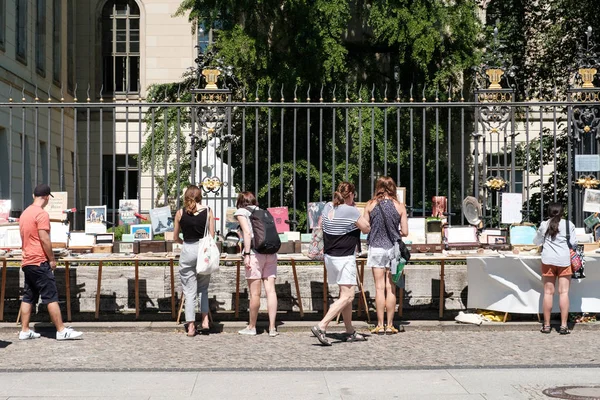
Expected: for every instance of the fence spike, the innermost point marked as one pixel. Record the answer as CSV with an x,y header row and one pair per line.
x,y
359,94
462,96
437,89
385,93
10,100
88,93
269,93
281,91
50,92
256,94
179,92
347,98
166,95
295,93
334,88
101,90
308,94
424,87
411,93
373,94
450,91
527,90
23,94
62,97
321,95
36,94
398,94
75,93
244,93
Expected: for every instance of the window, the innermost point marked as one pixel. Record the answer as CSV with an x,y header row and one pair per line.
x,y
121,46
56,40
126,179
40,37
2,24
70,46
22,31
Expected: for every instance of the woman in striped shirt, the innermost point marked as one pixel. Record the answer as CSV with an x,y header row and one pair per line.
x,y
342,223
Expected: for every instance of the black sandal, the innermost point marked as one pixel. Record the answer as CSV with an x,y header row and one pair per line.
x,y
320,335
356,337
546,329
564,330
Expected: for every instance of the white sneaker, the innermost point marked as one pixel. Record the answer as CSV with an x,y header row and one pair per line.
x,y
68,334
28,335
249,332
273,333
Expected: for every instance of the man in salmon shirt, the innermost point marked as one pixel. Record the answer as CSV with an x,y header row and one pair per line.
x,y
38,264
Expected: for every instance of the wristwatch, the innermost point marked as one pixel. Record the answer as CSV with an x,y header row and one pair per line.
x,y
247,254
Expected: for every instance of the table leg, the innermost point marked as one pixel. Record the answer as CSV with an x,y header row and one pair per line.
x,y
237,289
2,290
137,289
297,288
361,280
98,288
68,289
325,307
442,289
172,288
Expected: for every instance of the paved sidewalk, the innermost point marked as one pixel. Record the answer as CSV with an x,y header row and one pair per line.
x,y
467,384
174,351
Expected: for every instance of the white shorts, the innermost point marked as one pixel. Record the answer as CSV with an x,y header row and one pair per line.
x,y
380,258
341,270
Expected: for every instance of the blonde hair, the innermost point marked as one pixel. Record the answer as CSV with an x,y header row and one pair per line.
x,y
344,190
193,195
385,186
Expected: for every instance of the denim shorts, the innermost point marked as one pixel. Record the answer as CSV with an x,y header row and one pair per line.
x,y
380,258
39,281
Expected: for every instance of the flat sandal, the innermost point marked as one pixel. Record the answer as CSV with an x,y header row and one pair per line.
x,y
546,329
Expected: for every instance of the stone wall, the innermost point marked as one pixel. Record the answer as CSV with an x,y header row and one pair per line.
x,y
117,293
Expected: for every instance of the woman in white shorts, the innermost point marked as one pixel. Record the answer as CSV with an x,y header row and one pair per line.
x,y
385,214
342,223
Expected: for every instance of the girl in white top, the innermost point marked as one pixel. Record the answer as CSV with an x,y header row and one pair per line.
x,y
556,262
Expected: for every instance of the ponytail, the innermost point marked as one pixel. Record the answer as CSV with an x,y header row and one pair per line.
x,y
555,211
338,199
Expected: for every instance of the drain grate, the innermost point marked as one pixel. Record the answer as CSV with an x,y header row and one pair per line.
x,y
574,392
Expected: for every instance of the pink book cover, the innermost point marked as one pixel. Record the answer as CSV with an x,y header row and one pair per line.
x,y
280,215
4,211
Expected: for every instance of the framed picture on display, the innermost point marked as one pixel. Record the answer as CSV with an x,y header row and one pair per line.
x,y
141,232
95,219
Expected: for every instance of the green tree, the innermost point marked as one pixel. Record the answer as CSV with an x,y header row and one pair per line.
x,y
363,48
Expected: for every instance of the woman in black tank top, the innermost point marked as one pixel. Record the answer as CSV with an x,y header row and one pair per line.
x,y
192,221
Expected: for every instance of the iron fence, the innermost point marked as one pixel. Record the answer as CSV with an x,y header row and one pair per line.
x,y
293,153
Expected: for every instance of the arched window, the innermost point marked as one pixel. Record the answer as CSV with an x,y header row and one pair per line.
x,y
121,46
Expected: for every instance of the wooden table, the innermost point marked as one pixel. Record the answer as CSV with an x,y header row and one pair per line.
x,y
291,258
116,259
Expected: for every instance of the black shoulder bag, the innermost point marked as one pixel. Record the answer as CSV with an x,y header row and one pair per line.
x,y
404,252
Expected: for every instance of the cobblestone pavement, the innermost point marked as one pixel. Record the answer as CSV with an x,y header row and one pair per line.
x,y
116,351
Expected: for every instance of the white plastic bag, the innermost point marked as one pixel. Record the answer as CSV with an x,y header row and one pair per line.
x,y
209,256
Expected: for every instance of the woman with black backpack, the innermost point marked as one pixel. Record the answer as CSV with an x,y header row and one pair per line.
x,y
260,263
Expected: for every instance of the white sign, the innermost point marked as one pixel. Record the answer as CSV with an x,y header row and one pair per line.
x,y
587,162
512,204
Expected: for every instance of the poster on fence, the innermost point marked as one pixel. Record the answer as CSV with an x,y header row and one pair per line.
x,y
591,200
162,220
95,219
281,216
57,204
127,211
314,213
512,203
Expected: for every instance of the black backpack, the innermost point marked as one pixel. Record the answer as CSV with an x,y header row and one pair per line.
x,y
266,239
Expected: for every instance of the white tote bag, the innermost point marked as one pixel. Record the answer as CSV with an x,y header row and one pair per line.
x,y
208,253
